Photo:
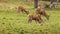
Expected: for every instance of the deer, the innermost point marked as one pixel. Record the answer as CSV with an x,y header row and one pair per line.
x,y
22,9
41,11
35,17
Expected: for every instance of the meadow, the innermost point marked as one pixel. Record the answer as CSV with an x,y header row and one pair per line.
x,y
12,22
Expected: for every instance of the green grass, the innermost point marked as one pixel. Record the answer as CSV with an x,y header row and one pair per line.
x,y
13,23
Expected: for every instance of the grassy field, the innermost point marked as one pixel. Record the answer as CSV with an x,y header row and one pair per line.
x,y
13,23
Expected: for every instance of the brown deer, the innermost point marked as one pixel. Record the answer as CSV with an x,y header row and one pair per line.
x,y
41,11
35,17
22,9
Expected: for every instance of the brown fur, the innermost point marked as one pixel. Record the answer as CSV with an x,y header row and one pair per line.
x,y
35,17
41,11
22,9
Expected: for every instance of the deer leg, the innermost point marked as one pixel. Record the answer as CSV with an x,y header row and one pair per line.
x,y
30,20
40,20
